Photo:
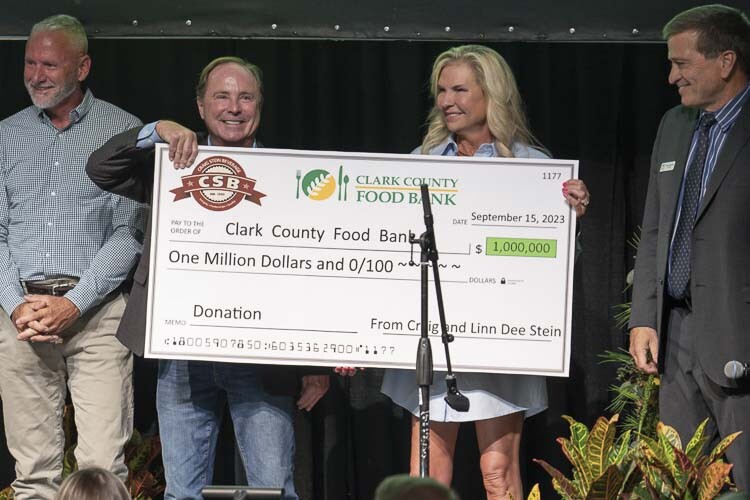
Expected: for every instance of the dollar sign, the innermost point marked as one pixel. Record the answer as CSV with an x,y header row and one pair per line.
x,y
478,249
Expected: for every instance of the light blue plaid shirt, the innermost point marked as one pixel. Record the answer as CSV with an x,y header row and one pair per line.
x,y
53,220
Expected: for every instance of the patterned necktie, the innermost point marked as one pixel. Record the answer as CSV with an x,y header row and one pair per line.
x,y
679,257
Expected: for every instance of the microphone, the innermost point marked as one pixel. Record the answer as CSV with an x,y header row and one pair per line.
x,y
735,370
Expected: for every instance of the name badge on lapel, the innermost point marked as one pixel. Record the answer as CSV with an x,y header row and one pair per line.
x,y
667,166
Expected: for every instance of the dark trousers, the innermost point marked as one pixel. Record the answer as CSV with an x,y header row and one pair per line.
x,y
687,397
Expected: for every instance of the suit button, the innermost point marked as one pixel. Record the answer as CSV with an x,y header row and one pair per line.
x,y
660,281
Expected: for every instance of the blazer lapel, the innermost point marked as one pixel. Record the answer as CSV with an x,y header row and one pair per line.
x,y
671,191
736,140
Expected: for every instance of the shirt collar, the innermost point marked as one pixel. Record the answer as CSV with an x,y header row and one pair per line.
x,y
75,114
255,142
450,148
727,114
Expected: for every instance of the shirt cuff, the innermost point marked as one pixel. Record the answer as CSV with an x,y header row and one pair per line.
x,y
83,298
11,298
147,137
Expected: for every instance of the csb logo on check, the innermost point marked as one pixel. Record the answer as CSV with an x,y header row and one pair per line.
x,y
218,183
320,185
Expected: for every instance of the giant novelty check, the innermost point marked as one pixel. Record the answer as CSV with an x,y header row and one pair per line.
x,y
304,258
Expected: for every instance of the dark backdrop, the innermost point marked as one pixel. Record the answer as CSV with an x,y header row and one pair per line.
x,y
479,20
599,103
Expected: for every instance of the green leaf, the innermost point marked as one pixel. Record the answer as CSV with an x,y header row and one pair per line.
x,y
535,494
145,475
145,485
647,409
139,454
713,480
633,395
70,465
598,445
643,491
649,447
685,472
579,433
672,436
620,357
695,446
576,458
69,426
667,452
635,239
560,489
652,480
632,479
721,448
655,469
607,486
562,484
621,449
622,314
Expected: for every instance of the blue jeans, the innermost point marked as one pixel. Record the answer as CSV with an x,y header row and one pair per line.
x,y
190,400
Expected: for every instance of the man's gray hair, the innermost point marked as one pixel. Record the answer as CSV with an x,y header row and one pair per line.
x,y
68,25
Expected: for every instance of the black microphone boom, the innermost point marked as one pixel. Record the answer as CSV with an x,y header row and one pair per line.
x,y
454,398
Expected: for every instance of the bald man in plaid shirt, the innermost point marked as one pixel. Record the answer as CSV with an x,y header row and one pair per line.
x,y
66,247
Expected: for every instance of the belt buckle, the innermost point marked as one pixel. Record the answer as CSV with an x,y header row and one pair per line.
x,y
60,289
55,287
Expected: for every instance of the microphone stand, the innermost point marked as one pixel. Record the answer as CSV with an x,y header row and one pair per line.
x,y
456,400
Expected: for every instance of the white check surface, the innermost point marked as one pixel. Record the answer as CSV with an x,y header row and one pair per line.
x,y
319,273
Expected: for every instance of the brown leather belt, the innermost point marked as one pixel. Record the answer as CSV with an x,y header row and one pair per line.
x,y
54,286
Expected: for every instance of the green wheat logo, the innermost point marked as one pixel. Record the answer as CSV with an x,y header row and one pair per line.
x,y
319,184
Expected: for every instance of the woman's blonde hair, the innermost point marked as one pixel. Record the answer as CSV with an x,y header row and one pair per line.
x,y
505,116
92,483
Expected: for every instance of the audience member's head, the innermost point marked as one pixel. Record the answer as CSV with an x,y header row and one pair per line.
x,y
405,487
92,484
